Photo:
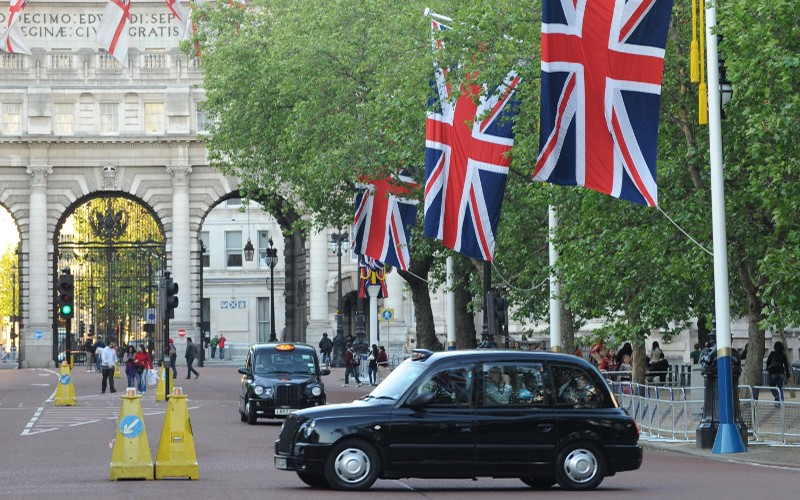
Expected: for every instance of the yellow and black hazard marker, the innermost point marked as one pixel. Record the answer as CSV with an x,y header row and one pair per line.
x,y
131,458
176,455
65,392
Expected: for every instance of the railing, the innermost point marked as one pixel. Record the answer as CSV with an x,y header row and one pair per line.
x,y
674,412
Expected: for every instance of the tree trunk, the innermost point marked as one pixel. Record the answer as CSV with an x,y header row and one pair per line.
x,y
421,298
466,337
753,366
639,362
567,329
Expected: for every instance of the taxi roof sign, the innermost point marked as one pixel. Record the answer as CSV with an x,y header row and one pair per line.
x,y
284,347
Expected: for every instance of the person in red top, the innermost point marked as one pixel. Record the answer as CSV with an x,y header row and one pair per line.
x,y
143,363
221,346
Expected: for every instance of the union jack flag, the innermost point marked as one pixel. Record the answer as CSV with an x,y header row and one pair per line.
x,y
383,220
112,34
180,11
467,155
369,268
11,40
602,63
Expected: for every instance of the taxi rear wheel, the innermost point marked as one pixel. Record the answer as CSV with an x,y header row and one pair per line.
x,y
580,466
352,465
314,480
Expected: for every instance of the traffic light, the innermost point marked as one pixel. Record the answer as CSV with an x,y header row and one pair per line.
x,y
501,310
171,297
65,290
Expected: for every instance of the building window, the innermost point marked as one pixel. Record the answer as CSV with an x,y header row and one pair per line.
x,y
153,117
263,319
12,118
263,244
109,118
233,248
233,202
206,257
64,116
204,122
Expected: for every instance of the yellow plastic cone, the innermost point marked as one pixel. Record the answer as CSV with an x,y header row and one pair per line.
x,y
65,392
117,374
176,455
161,389
131,458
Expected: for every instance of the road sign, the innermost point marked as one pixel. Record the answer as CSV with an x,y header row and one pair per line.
x,y
64,379
130,426
38,335
181,332
387,314
150,316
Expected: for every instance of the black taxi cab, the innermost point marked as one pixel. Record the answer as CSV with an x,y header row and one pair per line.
x,y
278,378
542,417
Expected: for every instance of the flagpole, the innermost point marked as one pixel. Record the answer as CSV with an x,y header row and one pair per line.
x,y
450,306
728,439
555,286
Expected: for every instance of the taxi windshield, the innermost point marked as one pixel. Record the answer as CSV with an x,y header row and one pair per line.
x,y
399,380
295,363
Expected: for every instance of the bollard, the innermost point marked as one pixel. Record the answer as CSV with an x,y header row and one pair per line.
x,y
65,392
117,373
161,392
176,455
131,458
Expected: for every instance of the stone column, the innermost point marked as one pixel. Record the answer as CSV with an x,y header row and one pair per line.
x,y
180,257
38,352
319,272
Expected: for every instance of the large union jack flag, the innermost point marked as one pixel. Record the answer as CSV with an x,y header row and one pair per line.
x,y
112,34
383,220
602,63
11,40
467,155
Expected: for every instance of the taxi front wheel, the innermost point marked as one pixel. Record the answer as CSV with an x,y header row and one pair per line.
x,y
352,465
580,466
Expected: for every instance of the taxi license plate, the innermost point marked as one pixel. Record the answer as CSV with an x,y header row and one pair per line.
x,y
283,411
280,463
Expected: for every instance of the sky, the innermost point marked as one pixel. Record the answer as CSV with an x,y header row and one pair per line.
x,y
9,236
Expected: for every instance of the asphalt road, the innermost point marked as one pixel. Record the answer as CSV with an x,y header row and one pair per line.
x,y
65,452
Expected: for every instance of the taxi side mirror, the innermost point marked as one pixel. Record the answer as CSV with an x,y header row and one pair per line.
x,y
246,371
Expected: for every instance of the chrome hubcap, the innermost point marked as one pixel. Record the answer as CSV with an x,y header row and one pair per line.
x,y
352,465
580,466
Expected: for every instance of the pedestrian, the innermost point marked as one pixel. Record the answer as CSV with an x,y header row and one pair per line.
x,y
597,351
325,348
778,369
383,363
99,345
221,344
130,365
144,363
88,347
372,365
655,354
408,346
214,343
173,358
626,348
191,353
351,364
694,356
108,360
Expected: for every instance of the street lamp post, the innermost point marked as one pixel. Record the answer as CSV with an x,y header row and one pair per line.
x,y
13,307
272,261
202,322
337,240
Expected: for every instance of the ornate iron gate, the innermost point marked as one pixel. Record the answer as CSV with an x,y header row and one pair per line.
x,y
115,249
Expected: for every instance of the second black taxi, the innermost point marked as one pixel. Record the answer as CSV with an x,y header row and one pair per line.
x,y
544,418
279,378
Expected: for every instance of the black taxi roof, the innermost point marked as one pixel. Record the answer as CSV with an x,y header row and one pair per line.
x,y
426,356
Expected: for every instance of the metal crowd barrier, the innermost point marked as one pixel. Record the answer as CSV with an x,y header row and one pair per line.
x,y
673,413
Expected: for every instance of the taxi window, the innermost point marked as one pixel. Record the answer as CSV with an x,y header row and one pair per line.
x,y
575,387
452,386
273,362
514,384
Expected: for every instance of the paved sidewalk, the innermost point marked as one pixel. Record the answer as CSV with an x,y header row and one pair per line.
x,y
773,454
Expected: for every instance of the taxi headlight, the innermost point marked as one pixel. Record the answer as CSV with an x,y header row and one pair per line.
x,y
316,391
258,390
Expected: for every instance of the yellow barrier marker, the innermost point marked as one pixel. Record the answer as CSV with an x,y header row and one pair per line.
x,y
117,374
131,458
176,456
161,389
65,392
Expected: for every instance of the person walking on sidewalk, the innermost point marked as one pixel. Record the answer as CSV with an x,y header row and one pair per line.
x,y
214,343
99,345
130,365
372,365
778,369
383,363
326,348
143,364
191,353
351,364
108,360
221,345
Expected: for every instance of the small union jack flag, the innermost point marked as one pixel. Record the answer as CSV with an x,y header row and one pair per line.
x,y
11,40
112,34
371,271
383,220
467,155
602,64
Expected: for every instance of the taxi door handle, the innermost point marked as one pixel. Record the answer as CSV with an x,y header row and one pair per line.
x,y
545,427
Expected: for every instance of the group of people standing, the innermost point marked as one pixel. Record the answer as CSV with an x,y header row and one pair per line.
x,y
377,365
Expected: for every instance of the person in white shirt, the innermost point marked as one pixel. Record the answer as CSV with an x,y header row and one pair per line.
x,y
108,359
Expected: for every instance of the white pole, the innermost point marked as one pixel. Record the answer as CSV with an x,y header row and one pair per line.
x,y
555,287
728,439
450,306
372,291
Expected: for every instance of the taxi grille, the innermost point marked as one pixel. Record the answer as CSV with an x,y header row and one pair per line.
x,y
288,395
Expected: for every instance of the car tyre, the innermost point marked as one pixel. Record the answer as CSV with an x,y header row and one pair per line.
x,y
250,411
242,416
314,480
580,466
539,483
352,465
